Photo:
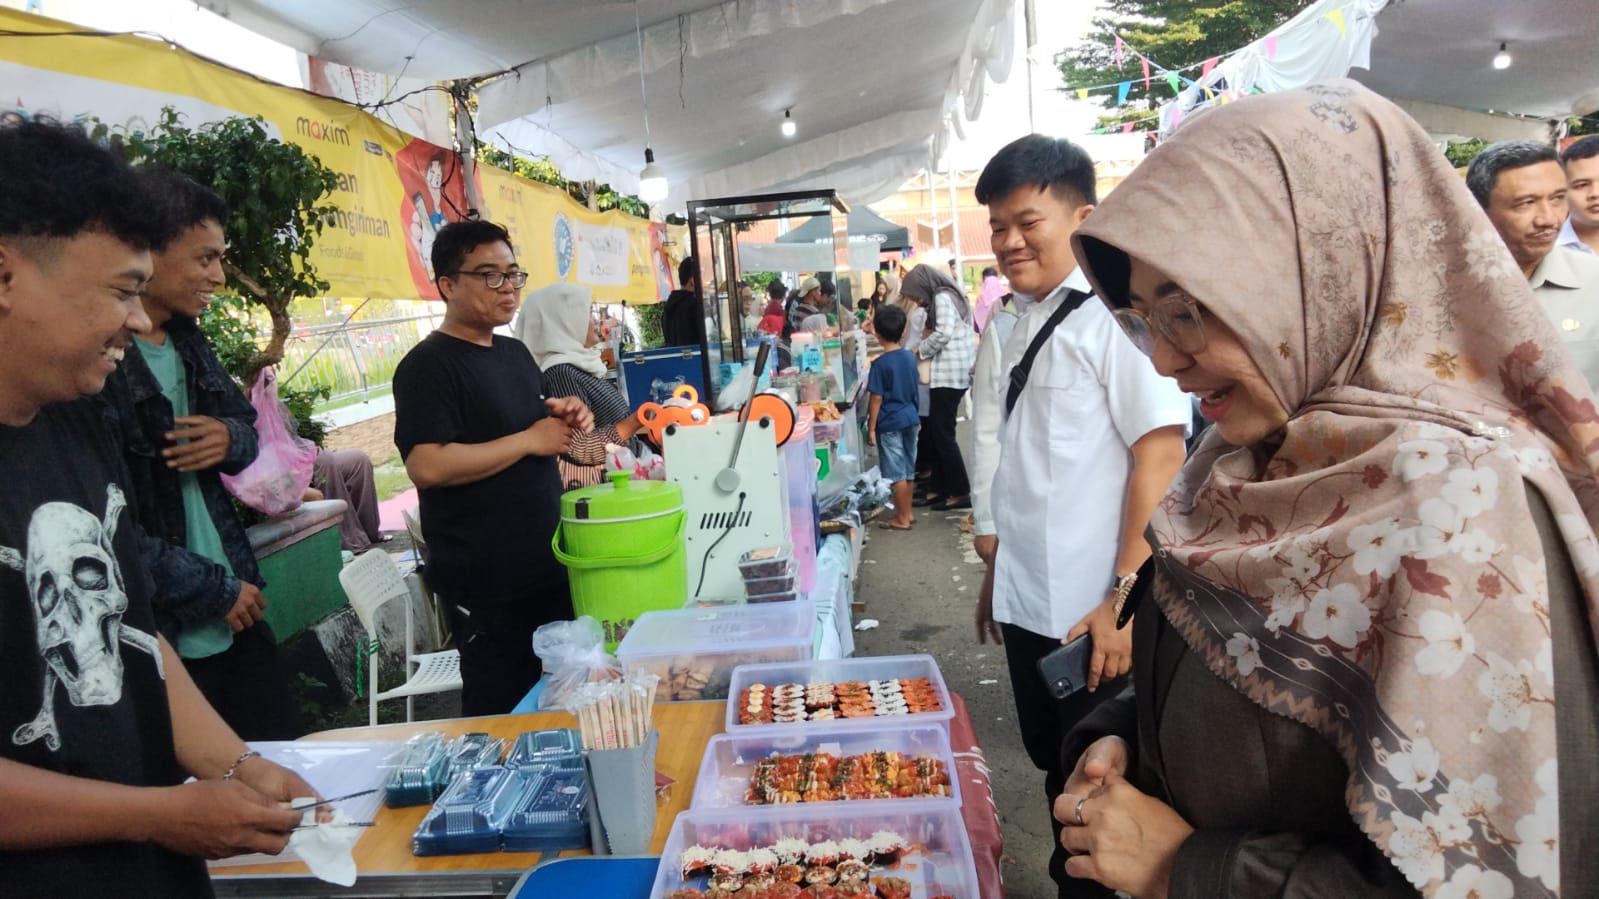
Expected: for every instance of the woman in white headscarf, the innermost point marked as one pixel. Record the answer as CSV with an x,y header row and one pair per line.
x,y
557,327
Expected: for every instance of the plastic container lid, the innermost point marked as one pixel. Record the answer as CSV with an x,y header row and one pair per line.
x,y
475,750
765,598
717,630
562,746
471,813
420,773
552,814
622,499
769,561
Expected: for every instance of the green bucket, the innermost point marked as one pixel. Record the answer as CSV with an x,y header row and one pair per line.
x,y
623,547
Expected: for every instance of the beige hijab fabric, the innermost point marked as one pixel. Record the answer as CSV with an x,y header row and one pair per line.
x,y
1373,570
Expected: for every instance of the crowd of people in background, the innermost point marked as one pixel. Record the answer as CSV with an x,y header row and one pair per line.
x,y
1341,644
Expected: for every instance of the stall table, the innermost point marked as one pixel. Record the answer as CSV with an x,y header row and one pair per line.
x,y
383,854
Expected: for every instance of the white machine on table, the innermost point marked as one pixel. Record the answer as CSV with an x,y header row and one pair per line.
x,y
724,524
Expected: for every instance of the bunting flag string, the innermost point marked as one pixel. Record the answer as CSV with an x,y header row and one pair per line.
x,y
1270,42
1145,60
1208,65
1119,51
1337,18
1121,92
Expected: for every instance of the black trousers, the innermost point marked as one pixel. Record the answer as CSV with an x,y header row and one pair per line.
x,y
949,468
498,666
248,687
1045,722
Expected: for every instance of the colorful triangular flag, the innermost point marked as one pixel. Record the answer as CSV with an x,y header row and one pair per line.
x,y
1127,127
1174,81
1118,51
1082,93
1337,17
1121,92
1176,116
1209,94
1209,64
1271,46
1145,61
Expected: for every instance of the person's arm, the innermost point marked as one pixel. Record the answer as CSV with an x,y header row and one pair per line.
x,y
987,418
873,408
588,448
1248,865
1156,458
948,323
224,438
189,587
433,465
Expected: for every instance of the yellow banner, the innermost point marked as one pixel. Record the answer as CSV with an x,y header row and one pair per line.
x,y
394,191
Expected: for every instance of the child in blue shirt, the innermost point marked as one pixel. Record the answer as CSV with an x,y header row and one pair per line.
x,y
893,423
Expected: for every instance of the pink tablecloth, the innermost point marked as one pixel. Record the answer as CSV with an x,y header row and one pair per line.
x,y
977,805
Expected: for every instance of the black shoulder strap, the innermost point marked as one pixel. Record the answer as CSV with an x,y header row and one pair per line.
x,y
1018,375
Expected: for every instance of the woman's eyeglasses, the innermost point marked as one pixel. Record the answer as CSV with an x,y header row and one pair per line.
x,y
496,280
1175,317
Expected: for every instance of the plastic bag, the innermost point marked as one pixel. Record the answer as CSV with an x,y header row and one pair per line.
x,y
645,466
574,654
275,482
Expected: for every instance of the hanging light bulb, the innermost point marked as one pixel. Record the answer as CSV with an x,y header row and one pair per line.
x,y
652,186
789,128
1502,58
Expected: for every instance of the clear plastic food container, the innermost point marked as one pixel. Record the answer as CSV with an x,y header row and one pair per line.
x,y
552,814
694,651
560,747
782,582
938,860
838,671
731,760
770,561
469,816
419,771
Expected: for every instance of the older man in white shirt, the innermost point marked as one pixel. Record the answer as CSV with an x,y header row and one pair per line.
x,y
1090,445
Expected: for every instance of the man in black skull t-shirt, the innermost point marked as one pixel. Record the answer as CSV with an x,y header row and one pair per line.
x,y
479,440
99,722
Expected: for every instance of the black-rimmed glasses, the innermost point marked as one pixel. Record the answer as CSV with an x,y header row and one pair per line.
x,y
496,280
1175,317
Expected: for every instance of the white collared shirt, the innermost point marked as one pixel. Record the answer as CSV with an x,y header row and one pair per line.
x,y
1568,238
1065,455
1566,284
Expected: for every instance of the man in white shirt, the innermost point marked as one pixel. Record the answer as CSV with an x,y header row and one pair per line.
x,y
1524,191
1092,443
1581,162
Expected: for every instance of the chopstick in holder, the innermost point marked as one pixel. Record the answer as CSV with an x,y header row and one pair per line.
x,y
337,824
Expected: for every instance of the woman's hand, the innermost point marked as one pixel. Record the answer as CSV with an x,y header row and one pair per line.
x,y
1103,757
1128,840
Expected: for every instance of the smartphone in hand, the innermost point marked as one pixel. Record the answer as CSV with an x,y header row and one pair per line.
x,y
1065,670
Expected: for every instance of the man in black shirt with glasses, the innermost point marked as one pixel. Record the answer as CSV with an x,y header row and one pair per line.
x,y
480,439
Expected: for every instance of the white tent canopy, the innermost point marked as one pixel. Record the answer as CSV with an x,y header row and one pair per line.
x,y
1433,57
871,83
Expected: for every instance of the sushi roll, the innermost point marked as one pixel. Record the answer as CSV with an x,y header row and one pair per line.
x,y
685,893
760,862
848,850
821,874
726,885
791,851
893,888
788,872
727,861
853,871
823,854
886,848
696,861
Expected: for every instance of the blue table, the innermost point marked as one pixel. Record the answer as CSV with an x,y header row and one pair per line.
x,y
622,877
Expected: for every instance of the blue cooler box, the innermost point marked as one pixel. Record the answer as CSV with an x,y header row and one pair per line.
x,y
651,376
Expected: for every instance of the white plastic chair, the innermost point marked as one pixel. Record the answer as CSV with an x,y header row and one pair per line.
x,y
439,620
370,582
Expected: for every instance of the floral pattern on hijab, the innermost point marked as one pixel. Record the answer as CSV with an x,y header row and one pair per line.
x,y
1373,571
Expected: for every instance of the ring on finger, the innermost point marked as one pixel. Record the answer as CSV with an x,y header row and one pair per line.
x,y
1080,802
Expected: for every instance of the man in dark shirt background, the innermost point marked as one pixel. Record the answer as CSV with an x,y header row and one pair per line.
x,y
480,440
683,319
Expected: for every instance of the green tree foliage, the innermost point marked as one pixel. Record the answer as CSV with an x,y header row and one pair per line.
x,y
1172,33
545,172
650,332
1461,154
274,191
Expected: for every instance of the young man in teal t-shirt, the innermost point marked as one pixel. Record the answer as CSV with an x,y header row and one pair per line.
x,y
184,423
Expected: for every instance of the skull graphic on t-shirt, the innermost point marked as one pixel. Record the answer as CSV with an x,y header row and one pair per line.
x,y
79,597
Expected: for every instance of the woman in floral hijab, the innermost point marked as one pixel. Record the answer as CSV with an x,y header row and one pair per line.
x,y
1368,664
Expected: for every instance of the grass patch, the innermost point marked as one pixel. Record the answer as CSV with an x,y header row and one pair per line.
x,y
355,399
390,478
